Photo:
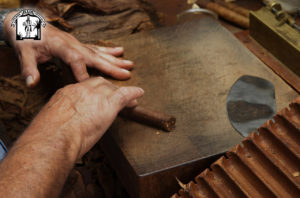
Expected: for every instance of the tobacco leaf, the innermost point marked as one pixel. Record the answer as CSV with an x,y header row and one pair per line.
x,y
91,20
92,27
18,104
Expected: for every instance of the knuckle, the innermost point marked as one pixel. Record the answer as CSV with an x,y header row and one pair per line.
x,y
116,60
101,79
122,94
79,88
74,87
92,51
77,57
57,39
74,57
67,89
60,91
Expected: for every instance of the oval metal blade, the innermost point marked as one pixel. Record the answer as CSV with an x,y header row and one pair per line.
x,y
250,103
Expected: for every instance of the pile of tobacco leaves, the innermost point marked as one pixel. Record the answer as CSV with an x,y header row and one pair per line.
x,y
89,21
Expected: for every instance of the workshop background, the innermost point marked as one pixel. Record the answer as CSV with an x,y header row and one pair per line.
x,y
94,22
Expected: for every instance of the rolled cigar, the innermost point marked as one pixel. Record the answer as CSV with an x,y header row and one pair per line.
x,y
150,117
225,13
233,7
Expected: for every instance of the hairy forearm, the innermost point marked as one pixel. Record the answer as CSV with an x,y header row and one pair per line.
x,y
38,164
69,125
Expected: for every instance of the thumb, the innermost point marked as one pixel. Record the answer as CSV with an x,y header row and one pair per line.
x,y
125,96
29,69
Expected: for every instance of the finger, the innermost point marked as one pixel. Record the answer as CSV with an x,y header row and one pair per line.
x,y
79,71
77,62
109,69
125,95
93,50
29,69
126,64
133,103
115,51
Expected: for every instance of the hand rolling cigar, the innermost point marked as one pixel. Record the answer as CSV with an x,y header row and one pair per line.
x,y
225,13
150,117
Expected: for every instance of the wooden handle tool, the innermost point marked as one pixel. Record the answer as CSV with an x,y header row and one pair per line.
x,y
150,117
233,7
225,13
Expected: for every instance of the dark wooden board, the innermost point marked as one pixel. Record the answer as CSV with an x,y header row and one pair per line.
x,y
266,57
187,71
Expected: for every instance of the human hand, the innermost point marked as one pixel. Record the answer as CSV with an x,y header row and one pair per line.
x,y
56,43
81,113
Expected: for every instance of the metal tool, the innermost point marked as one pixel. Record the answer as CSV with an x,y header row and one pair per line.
x,y
277,32
194,11
281,15
250,103
229,14
291,6
3,143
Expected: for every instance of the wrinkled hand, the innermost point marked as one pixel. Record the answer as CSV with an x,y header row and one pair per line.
x,y
56,43
82,112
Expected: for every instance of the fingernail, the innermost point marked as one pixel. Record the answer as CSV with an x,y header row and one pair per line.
x,y
127,62
126,71
118,48
133,103
142,90
29,81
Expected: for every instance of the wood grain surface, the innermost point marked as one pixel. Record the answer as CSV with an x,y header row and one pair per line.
x,y
186,71
266,57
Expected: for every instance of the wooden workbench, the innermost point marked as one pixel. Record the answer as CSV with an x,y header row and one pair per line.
x,y
187,71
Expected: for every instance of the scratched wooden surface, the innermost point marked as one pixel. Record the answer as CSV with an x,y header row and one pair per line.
x,y
187,71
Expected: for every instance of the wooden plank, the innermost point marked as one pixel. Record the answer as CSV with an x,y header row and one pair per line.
x,y
280,40
186,71
266,57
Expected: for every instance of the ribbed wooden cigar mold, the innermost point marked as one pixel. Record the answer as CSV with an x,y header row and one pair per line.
x,y
265,164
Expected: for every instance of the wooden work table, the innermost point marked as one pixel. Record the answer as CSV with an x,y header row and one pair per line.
x,y
186,71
